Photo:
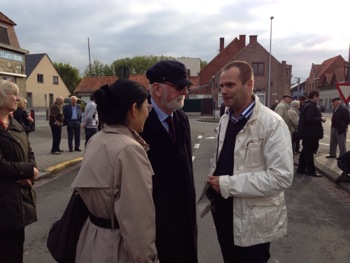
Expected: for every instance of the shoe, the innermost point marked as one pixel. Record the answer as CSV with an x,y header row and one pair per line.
x,y
70,150
61,151
330,156
315,174
301,171
77,150
57,152
344,177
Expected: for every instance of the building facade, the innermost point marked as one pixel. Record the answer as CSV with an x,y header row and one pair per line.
x,y
12,56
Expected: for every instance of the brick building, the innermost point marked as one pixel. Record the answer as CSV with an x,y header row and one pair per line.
x,y
12,62
258,57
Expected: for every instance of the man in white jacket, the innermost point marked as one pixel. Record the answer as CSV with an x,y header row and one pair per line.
x,y
252,166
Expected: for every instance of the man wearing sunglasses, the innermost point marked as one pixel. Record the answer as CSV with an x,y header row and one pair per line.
x,y
167,131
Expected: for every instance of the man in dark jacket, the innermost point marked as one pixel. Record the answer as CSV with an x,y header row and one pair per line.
x,y
56,122
310,130
167,130
72,118
339,128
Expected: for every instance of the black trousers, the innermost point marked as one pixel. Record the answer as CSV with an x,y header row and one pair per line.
x,y
73,130
56,137
88,133
223,219
11,246
306,159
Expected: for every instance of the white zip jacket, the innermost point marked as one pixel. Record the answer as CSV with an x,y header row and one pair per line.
x,y
263,169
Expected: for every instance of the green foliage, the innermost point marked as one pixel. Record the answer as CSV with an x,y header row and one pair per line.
x,y
137,65
69,75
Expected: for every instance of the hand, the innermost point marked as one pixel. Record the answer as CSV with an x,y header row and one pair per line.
x,y
323,119
24,182
213,181
36,173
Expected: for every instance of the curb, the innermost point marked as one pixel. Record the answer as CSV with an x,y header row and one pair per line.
x,y
58,167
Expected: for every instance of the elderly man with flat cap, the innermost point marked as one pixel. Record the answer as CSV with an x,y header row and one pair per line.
x,y
339,128
167,130
283,107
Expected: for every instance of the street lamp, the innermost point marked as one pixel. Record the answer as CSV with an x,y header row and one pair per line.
x,y
269,81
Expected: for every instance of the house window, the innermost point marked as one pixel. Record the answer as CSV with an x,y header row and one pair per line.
x,y
40,78
55,80
259,69
4,37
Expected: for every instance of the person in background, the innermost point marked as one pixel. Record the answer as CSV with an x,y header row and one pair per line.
x,y
302,100
283,107
274,105
115,181
22,115
72,117
17,174
252,167
90,122
293,115
310,130
56,122
167,130
339,128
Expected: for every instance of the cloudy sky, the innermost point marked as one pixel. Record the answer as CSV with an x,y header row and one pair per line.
x,y
303,32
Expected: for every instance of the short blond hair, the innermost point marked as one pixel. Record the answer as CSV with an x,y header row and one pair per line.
x,y
5,87
295,103
22,103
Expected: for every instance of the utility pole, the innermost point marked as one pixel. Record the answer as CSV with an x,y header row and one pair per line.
x,y
89,57
269,80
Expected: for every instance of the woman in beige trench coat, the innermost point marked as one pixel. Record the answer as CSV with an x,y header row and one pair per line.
x,y
115,181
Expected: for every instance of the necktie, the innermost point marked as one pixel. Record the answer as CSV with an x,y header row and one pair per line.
x,y
170,122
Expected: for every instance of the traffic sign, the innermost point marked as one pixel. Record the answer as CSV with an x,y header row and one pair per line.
x,y
344,91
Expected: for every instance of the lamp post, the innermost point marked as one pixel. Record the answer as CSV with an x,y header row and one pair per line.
x,y
269,81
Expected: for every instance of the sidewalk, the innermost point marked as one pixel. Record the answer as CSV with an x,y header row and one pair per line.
x,y
49,164
41,142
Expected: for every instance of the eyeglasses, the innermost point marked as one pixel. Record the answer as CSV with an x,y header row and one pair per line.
x,y
149,107
177,87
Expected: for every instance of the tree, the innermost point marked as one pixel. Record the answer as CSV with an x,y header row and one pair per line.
x,y
69,75
98,69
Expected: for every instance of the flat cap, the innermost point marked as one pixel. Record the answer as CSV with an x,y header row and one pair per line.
x,y
286,96
335,99
168,71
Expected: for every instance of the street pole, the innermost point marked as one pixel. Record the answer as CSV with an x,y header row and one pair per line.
x,y
269,81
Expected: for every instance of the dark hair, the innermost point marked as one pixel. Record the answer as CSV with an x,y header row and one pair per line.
x,y
113,102
245,70
312,94
92,97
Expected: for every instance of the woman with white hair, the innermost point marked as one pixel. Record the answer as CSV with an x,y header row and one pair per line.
x,y
17,173
293,114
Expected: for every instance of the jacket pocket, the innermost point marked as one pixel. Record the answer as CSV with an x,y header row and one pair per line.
x,y
254,154
265,215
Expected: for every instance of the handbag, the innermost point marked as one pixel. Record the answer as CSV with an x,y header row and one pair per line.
x,y
64,232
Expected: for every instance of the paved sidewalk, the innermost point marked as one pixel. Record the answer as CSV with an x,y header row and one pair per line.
x,y
41,142
48,163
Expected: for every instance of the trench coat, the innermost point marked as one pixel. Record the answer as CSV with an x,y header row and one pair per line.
x,y
115,179
173,189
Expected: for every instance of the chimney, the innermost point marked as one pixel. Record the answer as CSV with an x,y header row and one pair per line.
x,y
222,43
253,39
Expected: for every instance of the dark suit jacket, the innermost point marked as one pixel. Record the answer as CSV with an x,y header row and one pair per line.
x,y
67,113
310,123
341,119
173,189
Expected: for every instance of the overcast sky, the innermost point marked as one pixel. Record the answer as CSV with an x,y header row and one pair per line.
x,y
303,32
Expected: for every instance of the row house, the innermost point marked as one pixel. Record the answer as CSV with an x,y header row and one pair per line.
x,y
12,61
255,54
324,77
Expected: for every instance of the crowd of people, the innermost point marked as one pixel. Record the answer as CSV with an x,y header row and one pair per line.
x,y
136,178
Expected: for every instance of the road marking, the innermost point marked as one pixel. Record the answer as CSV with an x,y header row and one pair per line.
x,y
196,146
193,157
200,137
